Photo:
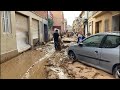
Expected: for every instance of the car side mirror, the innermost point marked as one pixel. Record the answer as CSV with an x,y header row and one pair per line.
x,y
80,44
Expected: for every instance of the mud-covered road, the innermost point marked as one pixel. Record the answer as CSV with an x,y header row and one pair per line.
x,y
61,67
45,63
21,65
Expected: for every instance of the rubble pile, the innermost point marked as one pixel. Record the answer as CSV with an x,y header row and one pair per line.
x,y
46,48
54,66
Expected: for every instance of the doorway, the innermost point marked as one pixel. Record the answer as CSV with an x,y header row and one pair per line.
x,y
116,23
98,27
45,33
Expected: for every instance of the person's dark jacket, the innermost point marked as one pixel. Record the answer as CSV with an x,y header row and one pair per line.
x,y
83,37
80,38
55,36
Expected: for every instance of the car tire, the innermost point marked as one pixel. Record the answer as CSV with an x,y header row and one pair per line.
x,y
116,72
72,55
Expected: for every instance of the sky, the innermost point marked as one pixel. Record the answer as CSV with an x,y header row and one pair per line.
x,y
70,16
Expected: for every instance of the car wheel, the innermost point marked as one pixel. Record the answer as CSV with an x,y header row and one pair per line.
x,y
72,55
116,72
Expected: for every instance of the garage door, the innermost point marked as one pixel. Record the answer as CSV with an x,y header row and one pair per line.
x,y
35,31
22,32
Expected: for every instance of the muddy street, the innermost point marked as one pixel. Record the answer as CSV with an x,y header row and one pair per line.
x,y
60,44
46,63
19,66
60,66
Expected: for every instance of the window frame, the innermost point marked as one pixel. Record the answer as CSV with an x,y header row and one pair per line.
x,y
6,22
94,36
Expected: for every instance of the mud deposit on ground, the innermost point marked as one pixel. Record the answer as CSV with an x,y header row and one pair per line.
x,y
59,66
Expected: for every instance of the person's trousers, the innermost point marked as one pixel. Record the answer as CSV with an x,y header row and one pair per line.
x,y
56,45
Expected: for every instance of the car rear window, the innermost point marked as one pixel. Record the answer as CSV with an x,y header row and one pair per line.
x,y
111,41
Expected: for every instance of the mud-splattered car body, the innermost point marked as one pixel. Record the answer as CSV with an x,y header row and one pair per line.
x,y
101,50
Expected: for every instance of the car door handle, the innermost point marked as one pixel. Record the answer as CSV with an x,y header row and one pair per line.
x,y
96,51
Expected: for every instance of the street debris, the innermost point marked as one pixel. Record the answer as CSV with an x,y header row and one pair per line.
x,y
46,63
69,40
69,69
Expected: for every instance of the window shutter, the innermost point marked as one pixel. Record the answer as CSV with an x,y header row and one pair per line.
x,y
106,25
3,21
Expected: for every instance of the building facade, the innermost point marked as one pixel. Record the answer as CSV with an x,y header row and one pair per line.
x,y
84,24
103,21
65,25
69,30
50,31
44,16
20,31
58,19
76,25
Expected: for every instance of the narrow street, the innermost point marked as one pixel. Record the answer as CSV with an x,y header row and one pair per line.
x,y
45,63
59,44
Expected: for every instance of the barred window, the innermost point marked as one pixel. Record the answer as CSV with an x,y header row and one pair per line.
x,y
6,21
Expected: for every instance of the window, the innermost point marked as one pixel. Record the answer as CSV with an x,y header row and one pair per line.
x,y
93,41
6,22
111,42
106,25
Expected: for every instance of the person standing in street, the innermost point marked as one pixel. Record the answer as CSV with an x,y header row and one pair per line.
x,y
56,39
80,38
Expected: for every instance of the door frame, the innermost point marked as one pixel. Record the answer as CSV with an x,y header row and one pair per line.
x,y
45,32
118,14
28,31
98,27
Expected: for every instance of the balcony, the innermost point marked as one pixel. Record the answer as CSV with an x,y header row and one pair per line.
x,y
98,13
